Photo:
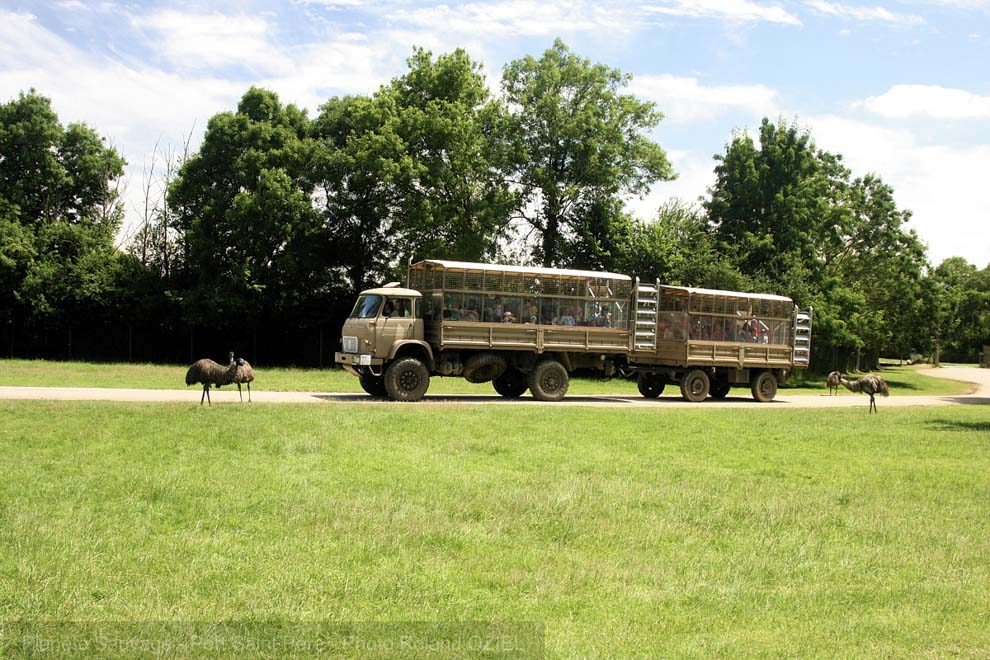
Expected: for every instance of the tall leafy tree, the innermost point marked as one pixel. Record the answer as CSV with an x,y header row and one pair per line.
x,y
575,141
242,203
59,212
455,200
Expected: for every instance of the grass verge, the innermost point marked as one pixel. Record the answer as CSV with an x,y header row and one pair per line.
x,y
633,533
904,381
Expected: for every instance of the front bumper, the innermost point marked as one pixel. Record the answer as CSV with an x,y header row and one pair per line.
x,y
357,360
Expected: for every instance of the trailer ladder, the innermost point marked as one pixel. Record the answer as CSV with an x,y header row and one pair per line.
x,y
802,337
645,332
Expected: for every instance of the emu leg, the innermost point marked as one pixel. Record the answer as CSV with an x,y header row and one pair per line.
x,y
249,392
206,391
873,404
239,392
203,395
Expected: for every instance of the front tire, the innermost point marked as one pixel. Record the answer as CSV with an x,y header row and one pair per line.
x,y
512,384
549,381
764,386
650,386
695,386
373,385
407,379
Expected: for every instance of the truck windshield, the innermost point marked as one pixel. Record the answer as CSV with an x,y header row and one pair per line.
x,y
366,307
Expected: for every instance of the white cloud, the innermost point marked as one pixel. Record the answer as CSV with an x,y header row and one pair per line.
x,y
685,100
942,185
903,101
204,41
732,10
864,13
516,18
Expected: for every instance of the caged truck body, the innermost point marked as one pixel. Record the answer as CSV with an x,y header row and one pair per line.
x,y
529,328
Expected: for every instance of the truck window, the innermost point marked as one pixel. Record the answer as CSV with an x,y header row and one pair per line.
x,y
366,307
397,308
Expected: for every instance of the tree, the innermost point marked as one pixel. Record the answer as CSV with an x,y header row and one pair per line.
x,y
242,203
574,142
455,202
791,218
59,213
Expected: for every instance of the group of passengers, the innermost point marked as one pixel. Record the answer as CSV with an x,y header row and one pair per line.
x,y
529,312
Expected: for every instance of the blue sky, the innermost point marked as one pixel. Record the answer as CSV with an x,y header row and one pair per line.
x,y
901,89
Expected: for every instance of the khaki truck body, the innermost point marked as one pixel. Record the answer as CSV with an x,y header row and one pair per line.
x,y
529,328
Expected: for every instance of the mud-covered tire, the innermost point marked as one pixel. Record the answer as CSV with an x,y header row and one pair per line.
x,y
407,379
650,386
549,381
695,385
373,385
512,384
719,390
764,386
483,367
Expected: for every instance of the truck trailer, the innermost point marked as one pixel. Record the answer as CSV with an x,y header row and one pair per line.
x,y
528,328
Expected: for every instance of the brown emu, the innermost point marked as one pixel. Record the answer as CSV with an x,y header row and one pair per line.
x,y
833,383
208,373
868,384
244,374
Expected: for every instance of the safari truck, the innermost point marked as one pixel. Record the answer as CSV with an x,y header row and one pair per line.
x,y
529,328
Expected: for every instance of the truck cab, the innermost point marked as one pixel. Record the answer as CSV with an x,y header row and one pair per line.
x,y
385,328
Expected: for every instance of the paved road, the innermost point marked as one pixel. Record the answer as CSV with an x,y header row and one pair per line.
x,y
979,377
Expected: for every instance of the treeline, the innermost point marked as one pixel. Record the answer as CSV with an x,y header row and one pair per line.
x,y
258,240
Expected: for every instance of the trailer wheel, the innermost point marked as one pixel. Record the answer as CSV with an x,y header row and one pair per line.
x,y
512,384
407,380
695,385
373,385
483,367
764,386
720,389
549,381
650,386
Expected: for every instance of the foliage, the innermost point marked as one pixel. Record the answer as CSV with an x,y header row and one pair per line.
x,y
242,202
59,214
575,142
791,217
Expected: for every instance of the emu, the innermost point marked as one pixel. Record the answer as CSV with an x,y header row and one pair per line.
x,y
209,373
833,383
868,384
244,374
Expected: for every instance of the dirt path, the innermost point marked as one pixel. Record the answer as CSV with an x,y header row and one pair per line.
x,y
979,377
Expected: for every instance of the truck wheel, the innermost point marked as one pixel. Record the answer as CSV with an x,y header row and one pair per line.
x,y
720,390
407,380
549,381
483,367
650,386
764,386
512,384
695,385
373,385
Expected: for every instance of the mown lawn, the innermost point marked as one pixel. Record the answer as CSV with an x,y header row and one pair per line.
x,y
45,373
687,532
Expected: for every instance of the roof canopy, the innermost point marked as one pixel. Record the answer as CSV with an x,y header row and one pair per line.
x,y
729,294
522,270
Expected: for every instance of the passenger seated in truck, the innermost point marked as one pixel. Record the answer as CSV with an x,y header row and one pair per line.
x,y
388,309
508,317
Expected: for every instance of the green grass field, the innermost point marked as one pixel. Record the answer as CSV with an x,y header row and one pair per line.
x,y
633,532
904,381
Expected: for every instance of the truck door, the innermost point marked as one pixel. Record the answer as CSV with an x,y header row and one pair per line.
x,y
397,323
